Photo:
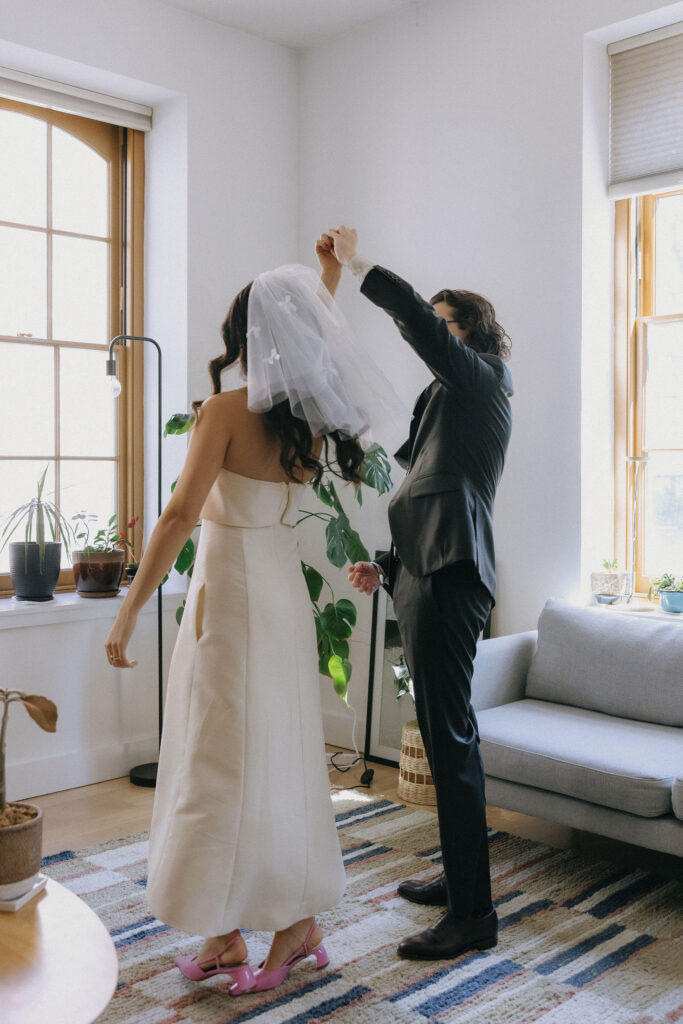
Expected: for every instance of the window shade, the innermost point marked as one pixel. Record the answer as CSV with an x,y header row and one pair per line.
x,y
16,85
646,112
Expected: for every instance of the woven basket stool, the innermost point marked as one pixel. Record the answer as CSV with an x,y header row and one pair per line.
x,y
415,782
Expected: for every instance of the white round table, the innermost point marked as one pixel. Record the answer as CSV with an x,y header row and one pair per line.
x,y
57,961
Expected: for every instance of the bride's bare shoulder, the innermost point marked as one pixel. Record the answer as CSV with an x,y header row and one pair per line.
x,y
225,401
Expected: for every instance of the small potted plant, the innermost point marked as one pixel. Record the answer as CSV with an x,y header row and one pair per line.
x,y
98,564
670,591
35,564
609,585
21,824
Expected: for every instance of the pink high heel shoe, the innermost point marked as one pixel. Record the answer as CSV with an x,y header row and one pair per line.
x,y
264,980
241,973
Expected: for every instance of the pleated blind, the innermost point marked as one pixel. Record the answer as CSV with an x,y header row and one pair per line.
x,y
16,85
646,112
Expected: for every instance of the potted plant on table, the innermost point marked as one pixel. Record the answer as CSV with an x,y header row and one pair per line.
x,y
35,564
21,824
98,565
669,588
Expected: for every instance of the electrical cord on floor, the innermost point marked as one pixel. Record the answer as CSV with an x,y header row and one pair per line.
x,y
333,761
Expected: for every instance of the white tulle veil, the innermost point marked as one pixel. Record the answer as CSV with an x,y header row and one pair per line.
x,y
301,348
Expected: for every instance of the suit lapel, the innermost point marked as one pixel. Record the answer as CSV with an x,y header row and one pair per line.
x,y
404,453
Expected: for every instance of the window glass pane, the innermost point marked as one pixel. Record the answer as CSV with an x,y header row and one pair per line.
x,y
89,486
23,282
87,406
79,290
18,484
664,386
23,169
27,399
79,186
663,534
669,255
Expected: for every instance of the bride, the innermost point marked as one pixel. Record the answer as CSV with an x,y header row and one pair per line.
x,y
243,834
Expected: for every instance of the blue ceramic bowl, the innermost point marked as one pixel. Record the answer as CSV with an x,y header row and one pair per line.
x,y
671,600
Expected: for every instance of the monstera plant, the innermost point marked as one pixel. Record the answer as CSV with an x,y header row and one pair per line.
x,y
335,619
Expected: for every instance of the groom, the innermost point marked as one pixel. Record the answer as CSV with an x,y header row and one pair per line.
x,y
440,573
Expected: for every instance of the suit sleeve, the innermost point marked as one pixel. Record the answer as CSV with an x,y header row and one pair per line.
x,y
458,367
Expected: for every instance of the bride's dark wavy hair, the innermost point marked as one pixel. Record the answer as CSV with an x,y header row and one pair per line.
x,y
296,439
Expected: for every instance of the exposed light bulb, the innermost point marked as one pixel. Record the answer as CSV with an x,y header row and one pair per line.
x,y
115,386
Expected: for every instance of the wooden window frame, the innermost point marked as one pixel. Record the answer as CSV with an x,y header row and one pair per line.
x,y
124,151
634,309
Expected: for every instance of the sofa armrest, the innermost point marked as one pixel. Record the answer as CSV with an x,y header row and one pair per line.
x,y
500,669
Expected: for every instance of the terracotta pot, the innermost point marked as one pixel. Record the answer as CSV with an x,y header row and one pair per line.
x,y
98,573
21,849
28,581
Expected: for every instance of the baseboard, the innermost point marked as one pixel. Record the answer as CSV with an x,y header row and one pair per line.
x,y
75,768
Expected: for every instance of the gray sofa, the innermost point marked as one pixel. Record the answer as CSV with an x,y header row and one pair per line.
x,y
581,722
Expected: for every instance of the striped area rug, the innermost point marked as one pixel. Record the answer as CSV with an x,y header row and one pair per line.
x,y
582,941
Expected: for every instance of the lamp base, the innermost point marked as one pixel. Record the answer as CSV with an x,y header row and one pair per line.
x,y
144,775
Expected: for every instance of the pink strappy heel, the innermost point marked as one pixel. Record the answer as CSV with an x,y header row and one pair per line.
x,y
241,974
264,980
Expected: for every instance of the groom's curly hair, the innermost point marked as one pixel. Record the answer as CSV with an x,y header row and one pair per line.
x,y
475,314
296,439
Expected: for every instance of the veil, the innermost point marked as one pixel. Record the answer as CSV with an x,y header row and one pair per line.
x,y
301,348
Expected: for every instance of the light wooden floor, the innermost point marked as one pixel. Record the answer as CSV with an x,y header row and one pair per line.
x,y
115,809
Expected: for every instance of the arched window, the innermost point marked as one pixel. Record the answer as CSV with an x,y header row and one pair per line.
x,y
62,262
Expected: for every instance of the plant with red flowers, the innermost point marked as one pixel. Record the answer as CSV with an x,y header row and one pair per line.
x,y
106,539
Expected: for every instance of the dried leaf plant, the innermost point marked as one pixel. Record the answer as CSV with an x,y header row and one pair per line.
x,y
41,710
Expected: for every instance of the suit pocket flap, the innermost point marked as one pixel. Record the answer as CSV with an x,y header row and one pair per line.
x,y
434,483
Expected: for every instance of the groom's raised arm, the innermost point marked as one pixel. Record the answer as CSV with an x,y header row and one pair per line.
x,y
457,366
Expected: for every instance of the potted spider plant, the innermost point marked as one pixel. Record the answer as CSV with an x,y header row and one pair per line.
x,y
98,564
35,563
21,824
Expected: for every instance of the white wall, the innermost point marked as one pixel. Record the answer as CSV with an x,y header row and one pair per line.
x,y
451,134
221,205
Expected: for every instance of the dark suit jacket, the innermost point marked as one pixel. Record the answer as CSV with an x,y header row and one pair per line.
x,y
443,511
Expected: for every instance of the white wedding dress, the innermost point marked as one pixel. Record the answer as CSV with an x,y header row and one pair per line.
x,y
243,832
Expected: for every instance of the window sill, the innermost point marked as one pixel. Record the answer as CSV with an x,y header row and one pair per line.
x,y
641,607
72,608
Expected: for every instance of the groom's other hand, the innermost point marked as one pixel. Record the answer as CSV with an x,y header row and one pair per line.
x,y
364,577
345,243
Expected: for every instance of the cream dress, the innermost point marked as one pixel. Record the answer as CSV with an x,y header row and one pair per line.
x,y
243,833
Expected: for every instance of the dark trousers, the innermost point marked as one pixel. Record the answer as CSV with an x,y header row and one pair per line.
x,y
440,617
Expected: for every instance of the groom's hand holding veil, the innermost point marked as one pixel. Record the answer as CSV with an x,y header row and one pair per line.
x,y
345,243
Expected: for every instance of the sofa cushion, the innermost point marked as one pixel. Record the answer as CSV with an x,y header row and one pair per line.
x,y
595,658
606,760
677,795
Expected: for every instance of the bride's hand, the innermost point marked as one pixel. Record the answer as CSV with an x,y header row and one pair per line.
x,y
116,643
345,243
324,250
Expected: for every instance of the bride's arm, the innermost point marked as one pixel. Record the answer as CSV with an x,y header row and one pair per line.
x,y
330,267
205,455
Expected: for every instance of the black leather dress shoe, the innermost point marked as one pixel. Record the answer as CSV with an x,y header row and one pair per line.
x,y
430,894
450,937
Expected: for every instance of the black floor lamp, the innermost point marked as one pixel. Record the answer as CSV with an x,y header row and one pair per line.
x,y
146,774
